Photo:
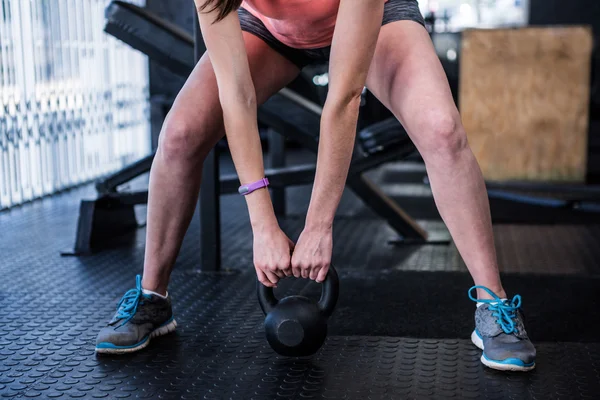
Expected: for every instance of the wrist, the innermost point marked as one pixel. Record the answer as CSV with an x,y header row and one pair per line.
x,y
318,224
319,217
265,226
260,210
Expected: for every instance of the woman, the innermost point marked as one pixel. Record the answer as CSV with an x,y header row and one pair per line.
x,y
252,54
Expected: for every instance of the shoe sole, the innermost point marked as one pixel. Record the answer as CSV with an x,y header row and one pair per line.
x,y
160,331
496,365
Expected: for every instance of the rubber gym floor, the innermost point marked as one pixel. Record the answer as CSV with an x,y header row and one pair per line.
x,y
400,330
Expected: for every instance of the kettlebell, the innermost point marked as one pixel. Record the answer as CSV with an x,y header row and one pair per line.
x,y
296,326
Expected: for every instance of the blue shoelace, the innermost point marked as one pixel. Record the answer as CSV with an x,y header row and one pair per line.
x,y
504,311
129,302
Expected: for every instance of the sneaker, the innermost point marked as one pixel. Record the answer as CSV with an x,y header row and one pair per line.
x,y
500,333
139,318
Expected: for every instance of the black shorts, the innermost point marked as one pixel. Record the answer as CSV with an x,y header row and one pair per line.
x,y
394,10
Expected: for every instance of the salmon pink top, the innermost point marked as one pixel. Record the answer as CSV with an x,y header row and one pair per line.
x,y
301,24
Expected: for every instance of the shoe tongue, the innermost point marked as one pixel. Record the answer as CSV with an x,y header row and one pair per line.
x,y
494,302
154,294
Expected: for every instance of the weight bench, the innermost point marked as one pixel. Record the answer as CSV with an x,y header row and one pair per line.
x,y
287,113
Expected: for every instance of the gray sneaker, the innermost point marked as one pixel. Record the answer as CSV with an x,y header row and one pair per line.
x,y
500,333
139,318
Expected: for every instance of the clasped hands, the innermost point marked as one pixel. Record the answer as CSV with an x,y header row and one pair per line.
x,y
276,256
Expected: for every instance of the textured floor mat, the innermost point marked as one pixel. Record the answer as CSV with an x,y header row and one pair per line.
x,y
435,305
400,330
219,351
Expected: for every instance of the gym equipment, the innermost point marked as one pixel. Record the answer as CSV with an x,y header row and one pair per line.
x,y
511,144
287,113
296,326
391,335
138,27
380,136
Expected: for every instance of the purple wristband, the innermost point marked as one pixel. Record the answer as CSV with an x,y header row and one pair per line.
x,y
247,189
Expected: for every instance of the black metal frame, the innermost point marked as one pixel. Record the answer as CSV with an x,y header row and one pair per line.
x,y
209,203
279,175
364,188
277,161
111,214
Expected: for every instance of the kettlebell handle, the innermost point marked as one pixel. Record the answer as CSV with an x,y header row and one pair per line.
x,y
327,302
330,292
266,297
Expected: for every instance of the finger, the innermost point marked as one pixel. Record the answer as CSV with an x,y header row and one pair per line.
x,y
276,271
322,274
297,271
305,272
262,278
286,269
280,273
314,272
272,277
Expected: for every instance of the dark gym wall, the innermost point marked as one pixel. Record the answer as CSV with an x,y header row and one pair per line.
x,y
568,12
544,12
180,12
164,85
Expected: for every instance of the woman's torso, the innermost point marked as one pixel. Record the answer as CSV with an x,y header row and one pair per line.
x,y
302,24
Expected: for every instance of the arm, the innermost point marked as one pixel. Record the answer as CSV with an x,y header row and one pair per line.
x,y
354,40
227,51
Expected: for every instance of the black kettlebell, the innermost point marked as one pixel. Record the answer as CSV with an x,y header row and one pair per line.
x,y
296,326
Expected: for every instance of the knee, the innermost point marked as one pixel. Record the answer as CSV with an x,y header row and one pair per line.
x,y
442,136
180,142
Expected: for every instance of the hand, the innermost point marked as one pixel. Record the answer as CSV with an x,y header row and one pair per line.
x,y
312,255
272,255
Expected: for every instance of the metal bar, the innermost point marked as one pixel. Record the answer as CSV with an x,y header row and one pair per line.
x,y
35,111
70,134
49,96
63,87
4,84
279,178
288,129
398,152
14,114
277,160
547,187
210,226
26,80
387,209
210,218
128,198
111,182
301,101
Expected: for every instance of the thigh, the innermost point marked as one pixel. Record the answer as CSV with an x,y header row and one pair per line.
x,y
406,75
197,105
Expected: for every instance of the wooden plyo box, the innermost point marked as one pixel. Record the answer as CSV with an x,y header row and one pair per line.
x,y
524,100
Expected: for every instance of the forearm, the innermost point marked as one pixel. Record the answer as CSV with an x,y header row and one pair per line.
x,y
244,143
338,131
354,42
225,44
